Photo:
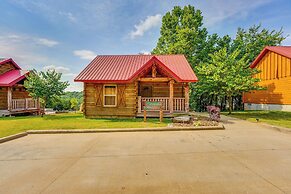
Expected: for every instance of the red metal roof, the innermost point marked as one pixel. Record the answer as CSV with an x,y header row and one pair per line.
x,y
125,68
282,50
12,77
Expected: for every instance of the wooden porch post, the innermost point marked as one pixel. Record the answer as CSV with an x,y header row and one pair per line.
x,y
9,98
139,104
38,106
171,100
186,94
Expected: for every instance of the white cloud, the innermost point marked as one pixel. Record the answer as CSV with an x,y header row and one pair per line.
x,y
68,15
46,42
85,54
145,25
75,86
59,69
22,49
143,52
217,11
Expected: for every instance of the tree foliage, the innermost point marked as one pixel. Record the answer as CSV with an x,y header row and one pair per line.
x,y
251,42
68,101
182,32
227,74
45,85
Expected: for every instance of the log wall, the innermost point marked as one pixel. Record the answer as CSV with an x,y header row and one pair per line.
x,y
163,89
3,98
17,93
6,67
126,101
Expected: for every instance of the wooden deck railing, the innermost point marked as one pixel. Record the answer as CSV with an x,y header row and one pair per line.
x,y
164,100
178,104
24,104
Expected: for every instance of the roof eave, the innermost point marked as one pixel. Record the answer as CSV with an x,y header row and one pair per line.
x,y
121,81
14,81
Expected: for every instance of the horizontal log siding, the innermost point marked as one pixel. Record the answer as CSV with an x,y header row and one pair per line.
x,y
92,110
17,93
163,89
6,67
3,98
276,76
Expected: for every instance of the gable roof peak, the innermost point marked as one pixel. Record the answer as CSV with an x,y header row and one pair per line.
x,y
124,68
9,60
281,50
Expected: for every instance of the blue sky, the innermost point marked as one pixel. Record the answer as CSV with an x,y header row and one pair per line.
x,y
67,34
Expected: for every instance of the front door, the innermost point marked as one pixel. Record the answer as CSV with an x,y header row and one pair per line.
x,y
146,91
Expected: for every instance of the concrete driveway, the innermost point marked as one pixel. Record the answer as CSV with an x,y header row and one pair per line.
x,y
244,158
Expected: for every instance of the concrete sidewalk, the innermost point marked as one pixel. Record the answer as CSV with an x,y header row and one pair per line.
x,y
244,158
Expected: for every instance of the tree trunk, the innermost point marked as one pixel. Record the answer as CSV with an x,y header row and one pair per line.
x,y
43,108
229,104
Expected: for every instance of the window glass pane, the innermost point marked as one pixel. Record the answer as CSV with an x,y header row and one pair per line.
x,y
110,90
109,100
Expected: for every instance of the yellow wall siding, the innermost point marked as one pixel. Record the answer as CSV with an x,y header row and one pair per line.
x,y
276,77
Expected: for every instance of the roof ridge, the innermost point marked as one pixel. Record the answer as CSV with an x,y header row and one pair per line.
x,y
281,50
124,68
143,55
278,47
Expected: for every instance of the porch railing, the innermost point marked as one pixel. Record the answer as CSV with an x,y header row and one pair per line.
x,y
164,100
24,104
178,103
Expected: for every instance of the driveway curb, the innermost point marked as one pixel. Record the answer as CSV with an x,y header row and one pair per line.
x,y
114,130
277,128
219,127
12,137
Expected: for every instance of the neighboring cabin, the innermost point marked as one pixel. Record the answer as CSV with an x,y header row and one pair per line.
x,y
14,98
119,85
275,65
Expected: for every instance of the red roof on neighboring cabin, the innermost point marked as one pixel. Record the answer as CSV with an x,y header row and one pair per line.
x,y
125,68
13,76
282,50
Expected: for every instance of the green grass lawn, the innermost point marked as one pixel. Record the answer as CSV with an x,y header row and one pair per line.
x,y
13,125
278,118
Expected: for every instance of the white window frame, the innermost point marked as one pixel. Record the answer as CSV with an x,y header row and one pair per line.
x,y
115,95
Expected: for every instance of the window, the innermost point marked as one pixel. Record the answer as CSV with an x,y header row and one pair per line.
x,y
110,98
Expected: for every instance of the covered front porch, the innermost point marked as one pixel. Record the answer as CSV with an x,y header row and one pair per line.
x,y
173,95
15,100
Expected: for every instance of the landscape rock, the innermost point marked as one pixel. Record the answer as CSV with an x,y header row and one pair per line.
x,y
182,119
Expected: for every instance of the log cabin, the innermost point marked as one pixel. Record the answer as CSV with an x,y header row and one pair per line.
x,y
274,63
14,99
119,85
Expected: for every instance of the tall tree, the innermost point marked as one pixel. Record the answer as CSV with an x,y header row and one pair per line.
x,y
251,42
182,32
45,85
228,75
